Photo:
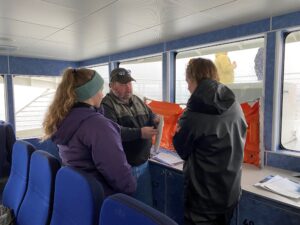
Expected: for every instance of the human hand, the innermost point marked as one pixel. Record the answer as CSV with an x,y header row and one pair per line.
x,y
148,132
177,129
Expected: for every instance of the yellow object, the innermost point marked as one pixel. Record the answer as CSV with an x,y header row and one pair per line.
x,y
225,68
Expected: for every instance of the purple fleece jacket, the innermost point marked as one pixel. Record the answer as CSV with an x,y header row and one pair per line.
x,y
89,141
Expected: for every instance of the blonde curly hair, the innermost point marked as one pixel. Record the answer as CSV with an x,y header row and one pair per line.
x,y
64,98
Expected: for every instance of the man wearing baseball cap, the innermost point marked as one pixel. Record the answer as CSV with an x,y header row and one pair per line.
x,y
137,123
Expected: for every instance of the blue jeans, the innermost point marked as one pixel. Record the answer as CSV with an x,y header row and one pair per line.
x,y
144,183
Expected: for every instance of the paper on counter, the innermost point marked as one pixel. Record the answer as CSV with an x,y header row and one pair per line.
x,y
281,185
167,158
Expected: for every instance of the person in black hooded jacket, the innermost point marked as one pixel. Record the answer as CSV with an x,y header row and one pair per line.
x,y
210,137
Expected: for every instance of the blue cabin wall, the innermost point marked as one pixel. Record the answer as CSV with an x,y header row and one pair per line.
x,y
33,66
3,64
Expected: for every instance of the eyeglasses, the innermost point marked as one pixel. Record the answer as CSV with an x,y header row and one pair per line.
x,y
124,72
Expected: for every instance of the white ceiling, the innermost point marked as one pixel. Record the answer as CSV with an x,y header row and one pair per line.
x,y
83,29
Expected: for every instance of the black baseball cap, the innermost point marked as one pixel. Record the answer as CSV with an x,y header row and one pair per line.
x,y
121,75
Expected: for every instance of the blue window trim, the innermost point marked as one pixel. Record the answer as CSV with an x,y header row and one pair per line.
x,y
9,99
172,70
33,66
285,21
165,89
269,89
283,159
4,64
169,65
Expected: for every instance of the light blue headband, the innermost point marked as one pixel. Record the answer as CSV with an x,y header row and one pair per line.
x,y
90,88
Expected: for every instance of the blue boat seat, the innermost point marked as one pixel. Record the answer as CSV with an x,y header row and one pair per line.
x,y
78,198
37,205
16,185
121,209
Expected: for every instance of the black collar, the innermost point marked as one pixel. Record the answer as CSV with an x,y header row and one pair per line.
x,y
84,105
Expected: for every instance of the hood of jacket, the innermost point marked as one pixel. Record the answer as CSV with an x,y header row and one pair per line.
x,y
211,97
72,123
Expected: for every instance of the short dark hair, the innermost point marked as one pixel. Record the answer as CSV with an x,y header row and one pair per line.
x,y
200,68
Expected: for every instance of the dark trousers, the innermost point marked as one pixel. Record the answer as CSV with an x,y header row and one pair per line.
x,y
191,218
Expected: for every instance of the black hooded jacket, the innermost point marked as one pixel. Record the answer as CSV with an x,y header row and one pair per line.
x,y
211,141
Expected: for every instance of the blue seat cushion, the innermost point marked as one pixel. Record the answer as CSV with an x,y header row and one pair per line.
x,y
120,209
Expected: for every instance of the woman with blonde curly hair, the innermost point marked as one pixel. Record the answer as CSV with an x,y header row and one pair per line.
x,y
85,138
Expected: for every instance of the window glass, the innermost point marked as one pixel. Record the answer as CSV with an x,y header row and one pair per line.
x,y
32,96
239,64
290,122
2,103
103,71
148,75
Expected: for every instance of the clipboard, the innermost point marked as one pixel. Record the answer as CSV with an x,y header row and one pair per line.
x,y
158,137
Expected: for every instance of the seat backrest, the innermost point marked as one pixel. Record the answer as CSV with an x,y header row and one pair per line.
x,y
121,209
16,185
3,153
37,205
47,145
77,198
10,140
7,139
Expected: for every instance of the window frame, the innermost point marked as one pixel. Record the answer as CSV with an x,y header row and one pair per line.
x,y
4,101
284,35
211,49
145,57
19,133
